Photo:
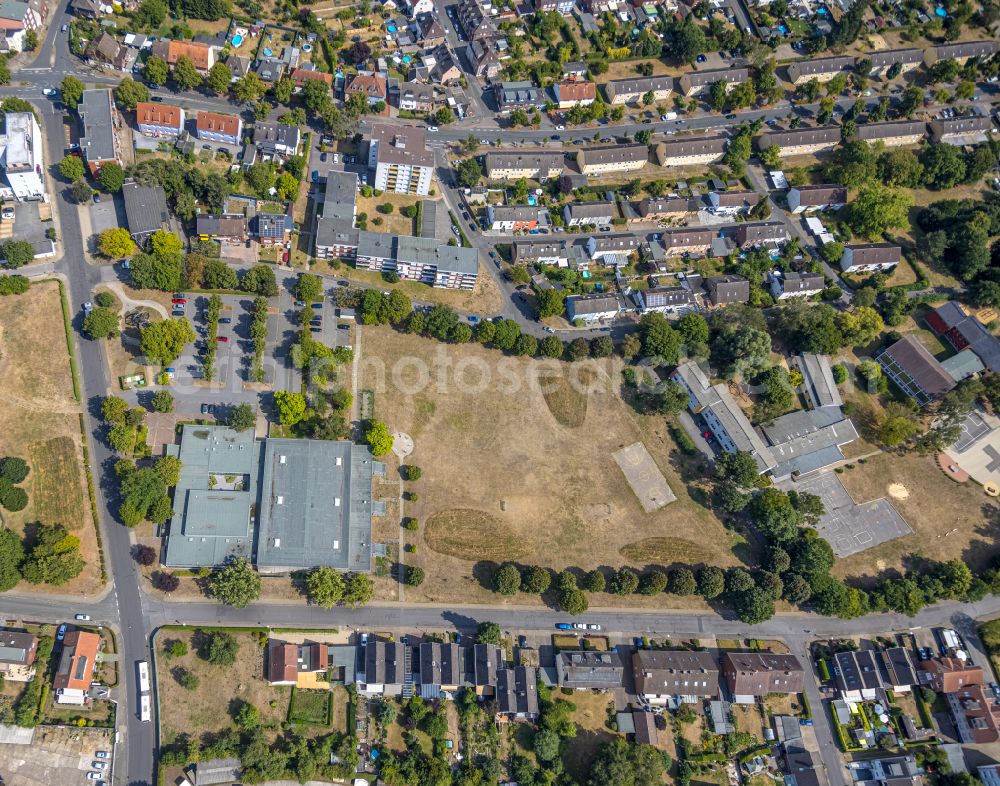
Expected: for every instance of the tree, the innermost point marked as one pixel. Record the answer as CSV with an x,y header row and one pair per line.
x,y
358,589
242,417
739,348
186,76
535,579
80,192
682,582
624,581
671,400
622,763
546,745
378,438
309,287
163,342
549,302
101,323
165,582
260,280
248,88
219,78
685,40
740,467
943,164
754,606
469,173
659,340
175,648
165,244
550,347
11,556
325,586
711,582
156,70
146,555
772,512
900,168
163,401
217,647
236,585
287,186
54,558
282,90
129,93
488,633
877,208
897,425
115,243
507,579
315,95
71,168
113,409
71,90
13,469
187,679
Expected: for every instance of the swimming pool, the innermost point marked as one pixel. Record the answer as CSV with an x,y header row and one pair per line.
x,y
268,53
940,12
237,39
307,47
391,28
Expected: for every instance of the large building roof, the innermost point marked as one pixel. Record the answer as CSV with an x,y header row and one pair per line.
x,y
219,123
675,673
402,145
912,364
761,673
315,505
612,154
97,116
167,115
145,208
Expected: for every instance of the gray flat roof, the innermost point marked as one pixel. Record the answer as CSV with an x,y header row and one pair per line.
x,y
315,505
97,140
145,208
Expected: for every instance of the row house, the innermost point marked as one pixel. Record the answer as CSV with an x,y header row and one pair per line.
x,y
159,119
723,290
752,234
670,208
786,285
430,34
485,58
801,141
514,218
219,127
542,252
589,670
731,203
822,69
808,199
857,675
695,151
668,678
699,82
443,67
417,97
276,141
593,308
870,257
688,240
564,7
673,301
572,93
961,131
577,214
906,59
286,661
202,56
751,676
896,133
612,158
517,95
474,21
631,91
612,250
530,164
961,52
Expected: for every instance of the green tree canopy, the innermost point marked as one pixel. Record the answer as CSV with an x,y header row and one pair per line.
x,y
236,585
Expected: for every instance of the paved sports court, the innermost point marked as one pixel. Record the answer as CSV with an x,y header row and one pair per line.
x,y
644,477
977,449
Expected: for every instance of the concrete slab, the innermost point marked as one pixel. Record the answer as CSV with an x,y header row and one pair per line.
x,y
977,450
644,477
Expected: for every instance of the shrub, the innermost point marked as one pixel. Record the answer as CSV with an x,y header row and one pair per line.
x,y
411,472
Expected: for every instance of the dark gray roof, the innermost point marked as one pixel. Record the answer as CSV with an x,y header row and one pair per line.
x,y
695,146
675,673
966,49
873,131
797,137
638,85
612,154
517,691
728,289
915,369
96,139
857,671
591,209
819,65
889,57
145,209
587,668
701,78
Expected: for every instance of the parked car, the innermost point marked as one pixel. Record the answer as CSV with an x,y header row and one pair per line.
x,y
593,626
580,625
343,327
8,213
102,755
317,305
522,641
82,617
204,409
432,129
343,283
99,765
322,157
177,312
223,339
61,633
97,198
300,304
225,320
563,626
64,28
178,301
473,318
95,776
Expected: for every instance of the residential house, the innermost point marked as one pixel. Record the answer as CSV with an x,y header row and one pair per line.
x,y
276,140
75,670
17,655
334,235
857,675
672,301
723,290
22,152
86,9
285,661
542,252
612,158
949,675
698,82
578,214
308,73
239,65
688,240
751,234
731,203
531,164
417,97
372,86
382,668
722,415
445,69
631,91
100,139
517,694
226,228
418,259
564,7
421,8
576,69
593,308
823,69
895,133
915,370
906,59
272,229
976,714
808,199
159,119
962,130
514,218
870,257
890,771
487,660
270,69
202,56
961,52
789,284
572,92
694,151
430,33
474,21
673,677
442,669
612,250
965,332
801,141
484,58
145,210
517,95
899,675
402,162
105,51
664,209
588,669
753,675
218,127
216,771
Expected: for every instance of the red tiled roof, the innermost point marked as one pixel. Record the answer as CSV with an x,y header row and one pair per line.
x,y
158,115
218,123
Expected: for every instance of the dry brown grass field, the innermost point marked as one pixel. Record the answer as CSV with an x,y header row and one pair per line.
x,y
40,422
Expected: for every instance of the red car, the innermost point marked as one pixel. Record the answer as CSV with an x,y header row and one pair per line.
x,y
223,339
179,301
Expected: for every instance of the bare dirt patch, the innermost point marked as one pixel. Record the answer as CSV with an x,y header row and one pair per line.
x,y
493,447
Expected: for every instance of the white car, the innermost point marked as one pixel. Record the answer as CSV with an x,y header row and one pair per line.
x,y
560,128
432,129
82,617
99,765
592,626
7,214
48,91
102,755
580,625
95,776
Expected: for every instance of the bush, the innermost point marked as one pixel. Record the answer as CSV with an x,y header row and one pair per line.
x,y
175,648
187,679
165,582
105,299
411,523
414,576
411,472
145,555
13,469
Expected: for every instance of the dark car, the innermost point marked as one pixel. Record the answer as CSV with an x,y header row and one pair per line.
x,y
317,305
730,117
522,641
177,312
156,99
315,329
343,327
204,409
225,320
322,157
343,283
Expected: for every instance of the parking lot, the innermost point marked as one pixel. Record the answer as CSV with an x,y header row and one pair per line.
x,y
55,755
105,215
233,352
28,225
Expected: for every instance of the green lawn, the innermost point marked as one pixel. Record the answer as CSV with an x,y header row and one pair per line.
x,y
310,706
